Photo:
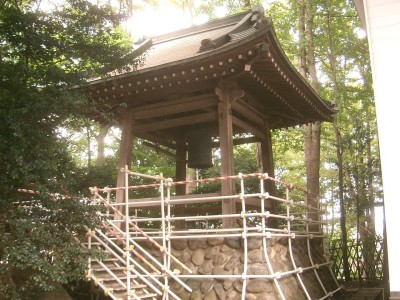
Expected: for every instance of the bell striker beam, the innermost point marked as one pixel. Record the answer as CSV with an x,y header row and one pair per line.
x,y
227,93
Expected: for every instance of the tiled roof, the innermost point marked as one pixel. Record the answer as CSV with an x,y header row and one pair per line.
x,y
189,63
185,44
175,50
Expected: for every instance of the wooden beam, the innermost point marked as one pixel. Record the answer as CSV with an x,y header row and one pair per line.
x,y
174,106
248,128
246,140
227,93
249,112
240,141
157,148
194,86
177,122
156,139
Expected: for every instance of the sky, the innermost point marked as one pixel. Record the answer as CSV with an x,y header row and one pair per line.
x,y
148,20
151,21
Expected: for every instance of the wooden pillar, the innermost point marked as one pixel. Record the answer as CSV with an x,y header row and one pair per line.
x,y
125,150
227,93
268,167
180,175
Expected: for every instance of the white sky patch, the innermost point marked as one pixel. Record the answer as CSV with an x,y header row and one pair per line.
x,y
361,34
49,5
151,21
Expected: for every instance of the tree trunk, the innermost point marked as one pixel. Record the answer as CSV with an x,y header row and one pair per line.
x,y
189,8
312,130
339,155
302,30
101,143
265,164
89,153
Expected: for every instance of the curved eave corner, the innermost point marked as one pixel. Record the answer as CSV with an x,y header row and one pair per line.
x,y
317,102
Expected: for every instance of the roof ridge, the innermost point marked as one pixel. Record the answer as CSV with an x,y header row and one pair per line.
x,y
195,29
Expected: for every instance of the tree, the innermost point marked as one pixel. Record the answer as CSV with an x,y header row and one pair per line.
x,y
339,145
312,137
44,56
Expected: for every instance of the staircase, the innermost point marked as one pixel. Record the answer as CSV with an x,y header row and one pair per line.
x,y
110,275
128,270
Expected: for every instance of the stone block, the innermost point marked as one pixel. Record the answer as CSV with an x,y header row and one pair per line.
x,y
221,271
259,286
206,285
220,259
198,257
196,295
186,255
206,268
211,252
233,242
254,242
220,290
255,256
210,295
179,244
231,263
197,244
215,241
193,283
238,285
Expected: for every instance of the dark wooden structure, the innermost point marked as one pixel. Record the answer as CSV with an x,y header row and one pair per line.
x,y
225,77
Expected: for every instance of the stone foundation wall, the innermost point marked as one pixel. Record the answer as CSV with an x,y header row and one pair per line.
x,y
225,256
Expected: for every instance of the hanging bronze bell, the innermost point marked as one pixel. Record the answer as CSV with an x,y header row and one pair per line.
x,y
199,149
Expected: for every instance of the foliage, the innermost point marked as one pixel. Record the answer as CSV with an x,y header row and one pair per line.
x,y
41,248
210,7
44,56
353,99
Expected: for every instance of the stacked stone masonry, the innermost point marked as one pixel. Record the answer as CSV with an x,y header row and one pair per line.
x,y
225,256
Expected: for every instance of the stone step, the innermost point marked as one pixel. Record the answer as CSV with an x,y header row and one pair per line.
x,y
105,274
108,264
108,277
112,268
147,296
115,285
143,296
110,259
